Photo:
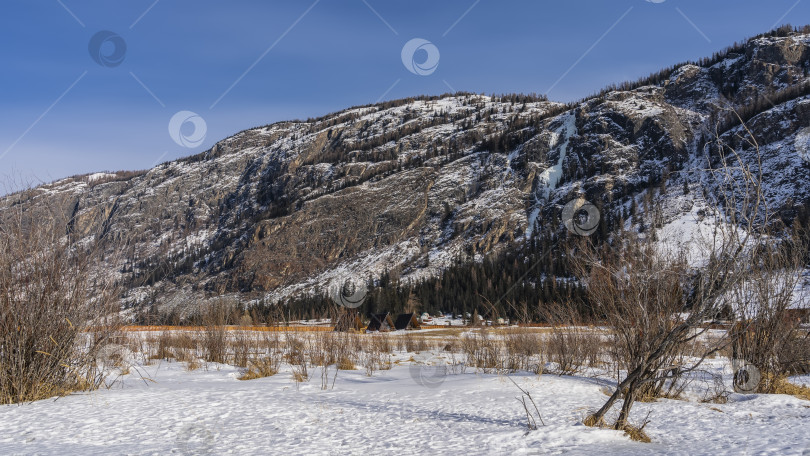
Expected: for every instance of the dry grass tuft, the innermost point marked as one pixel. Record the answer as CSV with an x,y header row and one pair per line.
x,y
265,367
193,364
781,385
636,433
346,363
299,376
591,421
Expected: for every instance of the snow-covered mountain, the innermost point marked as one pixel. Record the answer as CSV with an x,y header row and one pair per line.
x,y
409,186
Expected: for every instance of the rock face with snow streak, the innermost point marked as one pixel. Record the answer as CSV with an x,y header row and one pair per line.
x,y
412,185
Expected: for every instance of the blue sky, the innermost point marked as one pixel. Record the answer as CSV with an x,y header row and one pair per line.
x,y
241,63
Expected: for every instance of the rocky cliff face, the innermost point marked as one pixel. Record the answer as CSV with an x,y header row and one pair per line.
x,y
410,186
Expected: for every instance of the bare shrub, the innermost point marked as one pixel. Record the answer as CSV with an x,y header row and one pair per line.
x,y
482,351
185,348
562,349
640,293
329,348
215,334
523,347
242,347
765,335
381,343
531,422
794,354
299,373
413,344
716,391
371,362
296,356
162,344
570,346
55,303
650,295
376,353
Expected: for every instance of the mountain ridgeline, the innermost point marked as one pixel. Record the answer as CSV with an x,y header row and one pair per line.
x,y
450,203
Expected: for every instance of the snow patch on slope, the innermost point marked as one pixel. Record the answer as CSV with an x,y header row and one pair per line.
x,y
550,177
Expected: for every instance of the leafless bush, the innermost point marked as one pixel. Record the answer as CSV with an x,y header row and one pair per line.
x,y
413,344
482,351
163,344
263,352
375,353
766,336
562,350
639,291
531,422
215,339
523,347
296,356
654,300
332,348
716,391
380,343
794,355
55,304
242,346
571,346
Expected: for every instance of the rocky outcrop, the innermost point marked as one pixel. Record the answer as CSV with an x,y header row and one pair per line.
x,y
412,185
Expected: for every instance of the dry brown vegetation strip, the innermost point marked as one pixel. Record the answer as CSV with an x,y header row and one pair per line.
x,y
230,328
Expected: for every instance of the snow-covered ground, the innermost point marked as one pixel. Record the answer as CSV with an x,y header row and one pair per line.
x,y
409,409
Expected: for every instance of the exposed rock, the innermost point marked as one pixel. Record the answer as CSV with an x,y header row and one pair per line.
x,y
415,184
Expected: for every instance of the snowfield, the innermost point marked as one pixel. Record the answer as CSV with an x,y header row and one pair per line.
x,y
411,409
